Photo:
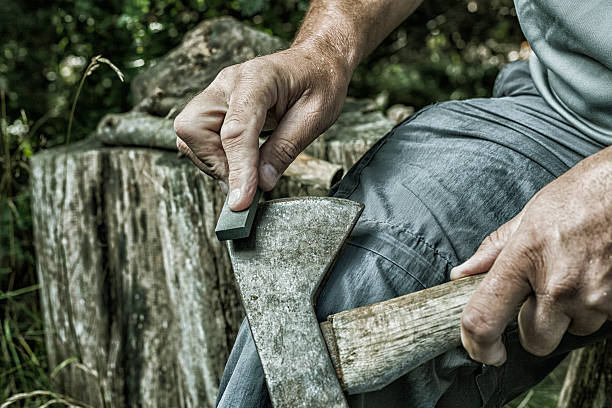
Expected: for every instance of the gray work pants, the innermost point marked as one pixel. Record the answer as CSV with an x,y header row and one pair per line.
x,y
433,189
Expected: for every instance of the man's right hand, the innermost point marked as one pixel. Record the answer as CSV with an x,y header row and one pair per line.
x,y
302,89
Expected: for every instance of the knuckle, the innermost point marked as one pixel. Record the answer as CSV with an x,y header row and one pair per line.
x,y
285,151
536,345
530,252
244,103
226,73
494,240
231,131
249,68
478,326
252,68
557,291
182,125
599,300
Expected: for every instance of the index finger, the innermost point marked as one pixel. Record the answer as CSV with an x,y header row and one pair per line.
x,y
494,304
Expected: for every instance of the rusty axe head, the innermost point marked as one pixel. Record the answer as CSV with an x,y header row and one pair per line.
x,y
279,269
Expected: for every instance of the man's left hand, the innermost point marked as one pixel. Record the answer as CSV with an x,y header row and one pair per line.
x,y
553,260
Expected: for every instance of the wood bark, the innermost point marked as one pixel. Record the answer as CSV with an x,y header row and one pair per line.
x,y
135,285
588,382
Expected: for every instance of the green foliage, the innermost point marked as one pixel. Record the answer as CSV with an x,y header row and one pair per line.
x,y
445,50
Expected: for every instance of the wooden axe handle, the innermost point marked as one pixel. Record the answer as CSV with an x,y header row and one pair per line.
x,y
374,345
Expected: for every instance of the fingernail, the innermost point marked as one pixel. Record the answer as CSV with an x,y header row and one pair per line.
x,y
269,174
223,186
234,197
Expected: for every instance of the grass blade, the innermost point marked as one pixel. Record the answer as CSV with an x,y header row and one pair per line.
x,y
13,352
62,365
18,292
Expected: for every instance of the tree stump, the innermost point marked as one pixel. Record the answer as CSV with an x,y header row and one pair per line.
x,y
588,382
134,282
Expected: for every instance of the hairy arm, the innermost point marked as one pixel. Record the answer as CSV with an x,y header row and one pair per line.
x,y
302,88
349,29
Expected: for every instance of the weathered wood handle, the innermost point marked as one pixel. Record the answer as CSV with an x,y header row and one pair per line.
x,y
372,346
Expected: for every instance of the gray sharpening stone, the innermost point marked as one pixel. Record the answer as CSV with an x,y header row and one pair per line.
x,y
236,224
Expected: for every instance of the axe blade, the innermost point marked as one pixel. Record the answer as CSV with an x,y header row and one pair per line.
x,y
279,269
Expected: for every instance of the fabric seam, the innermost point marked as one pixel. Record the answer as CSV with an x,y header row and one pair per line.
x,y
390,261
369,155
419,238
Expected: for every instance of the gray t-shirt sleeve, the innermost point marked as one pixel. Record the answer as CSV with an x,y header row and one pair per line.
x,y
573,69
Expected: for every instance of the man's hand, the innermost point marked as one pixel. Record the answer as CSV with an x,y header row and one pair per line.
x,y
554,258
300,89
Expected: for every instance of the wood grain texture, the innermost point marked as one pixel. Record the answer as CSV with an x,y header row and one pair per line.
x,y
135,284
71,272
377,344
588,382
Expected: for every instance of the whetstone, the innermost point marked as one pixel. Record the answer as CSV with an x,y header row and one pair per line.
x,y
236,224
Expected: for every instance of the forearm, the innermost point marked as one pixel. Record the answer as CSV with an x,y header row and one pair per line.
x,y
348,30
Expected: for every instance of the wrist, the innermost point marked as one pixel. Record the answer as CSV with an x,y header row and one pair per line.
x,y
324,54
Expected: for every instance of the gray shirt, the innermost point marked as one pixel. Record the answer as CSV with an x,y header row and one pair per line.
x,y
572,66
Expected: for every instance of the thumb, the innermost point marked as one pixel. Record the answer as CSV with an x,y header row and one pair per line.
x,y
488,251
299,126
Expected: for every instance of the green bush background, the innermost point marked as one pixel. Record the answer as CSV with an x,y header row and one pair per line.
x,y
446,50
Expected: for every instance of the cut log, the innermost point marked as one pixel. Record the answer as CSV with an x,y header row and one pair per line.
x,y
136,286
137,129
588,382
